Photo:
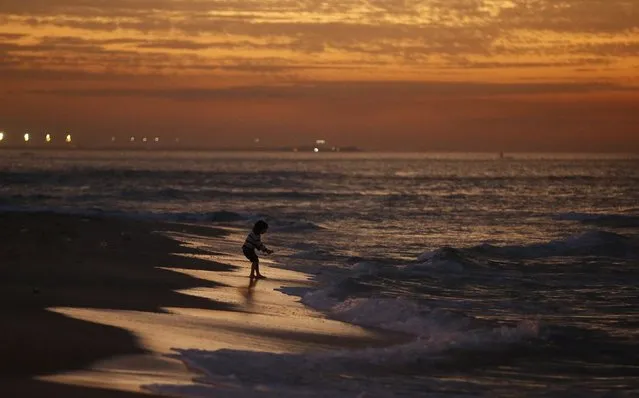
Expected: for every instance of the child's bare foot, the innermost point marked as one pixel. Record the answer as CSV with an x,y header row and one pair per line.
x,y
260,276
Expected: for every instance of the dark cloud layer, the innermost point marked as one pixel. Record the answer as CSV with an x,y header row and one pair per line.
x,y
344,90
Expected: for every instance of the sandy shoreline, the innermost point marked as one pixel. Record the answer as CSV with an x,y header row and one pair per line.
x,y
92,305
50,261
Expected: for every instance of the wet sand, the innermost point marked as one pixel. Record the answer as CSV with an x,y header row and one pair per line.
x,y
49,261
92,305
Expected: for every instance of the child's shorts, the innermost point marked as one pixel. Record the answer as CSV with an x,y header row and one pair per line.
x,y
250,254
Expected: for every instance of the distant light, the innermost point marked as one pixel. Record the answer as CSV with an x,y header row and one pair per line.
x,y
320,142
156,139
26,137
257,140
132,139
112,139
177,140
144,139
315,150
1,135
68,139
48,138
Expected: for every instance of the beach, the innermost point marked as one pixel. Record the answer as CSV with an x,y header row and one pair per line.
x,y
92,305
438,276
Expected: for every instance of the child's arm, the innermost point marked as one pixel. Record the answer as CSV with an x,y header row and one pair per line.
x,y
265,249
261,247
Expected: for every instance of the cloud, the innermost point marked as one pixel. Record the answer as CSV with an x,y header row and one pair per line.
x,y
80,58
187,44
415,34
616,49
276,16
602,16
11,36
407,91
467,64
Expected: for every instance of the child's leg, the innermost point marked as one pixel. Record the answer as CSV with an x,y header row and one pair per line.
x,y
255,268
252,257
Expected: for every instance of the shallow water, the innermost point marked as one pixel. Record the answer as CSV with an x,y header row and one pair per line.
x,y
517,277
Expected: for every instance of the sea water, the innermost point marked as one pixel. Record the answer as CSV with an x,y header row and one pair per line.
x,y
514,277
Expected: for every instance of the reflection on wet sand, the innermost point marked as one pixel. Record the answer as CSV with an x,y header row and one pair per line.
x,y
249,292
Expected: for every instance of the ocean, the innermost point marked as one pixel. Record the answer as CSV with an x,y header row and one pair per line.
x,y
514,277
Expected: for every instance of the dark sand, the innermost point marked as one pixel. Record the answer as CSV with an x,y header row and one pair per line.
x,y
49,260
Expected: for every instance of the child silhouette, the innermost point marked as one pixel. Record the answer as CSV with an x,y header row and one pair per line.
x,y
252,243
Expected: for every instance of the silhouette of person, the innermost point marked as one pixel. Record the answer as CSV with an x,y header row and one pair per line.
x,y
252,243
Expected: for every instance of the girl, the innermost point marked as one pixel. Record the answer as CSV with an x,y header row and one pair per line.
x,y
254,242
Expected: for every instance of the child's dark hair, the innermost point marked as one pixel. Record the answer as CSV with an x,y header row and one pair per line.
x,y
260,227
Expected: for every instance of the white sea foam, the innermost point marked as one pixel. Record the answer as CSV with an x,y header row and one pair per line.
x,y
431,333
399,315
393,314
339,373
445,259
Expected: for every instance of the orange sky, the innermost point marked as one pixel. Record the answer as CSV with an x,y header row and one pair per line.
x,y
471,75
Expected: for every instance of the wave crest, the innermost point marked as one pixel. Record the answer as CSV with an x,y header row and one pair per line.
x,y
602,220
595,243
591,243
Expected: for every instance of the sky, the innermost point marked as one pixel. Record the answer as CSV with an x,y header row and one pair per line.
x,y
405,75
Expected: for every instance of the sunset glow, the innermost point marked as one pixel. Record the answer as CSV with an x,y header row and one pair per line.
x,y
380,74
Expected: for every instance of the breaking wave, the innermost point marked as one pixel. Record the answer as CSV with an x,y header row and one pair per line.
x,y
591,243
